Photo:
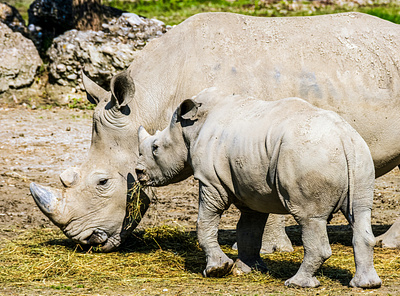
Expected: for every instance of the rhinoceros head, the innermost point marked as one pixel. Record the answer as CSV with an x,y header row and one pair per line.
x,y
163,157
92,206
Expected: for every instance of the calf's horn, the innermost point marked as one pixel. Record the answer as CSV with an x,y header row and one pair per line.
x,y
142,134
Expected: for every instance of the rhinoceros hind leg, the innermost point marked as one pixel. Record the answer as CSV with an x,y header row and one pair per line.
x,y
275,237
391,238
316,251
363,245
249,234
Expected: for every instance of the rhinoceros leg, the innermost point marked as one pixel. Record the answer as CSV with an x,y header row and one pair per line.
x,y
363,238
275,237
316,251
210,211
391,238
249,233
363,245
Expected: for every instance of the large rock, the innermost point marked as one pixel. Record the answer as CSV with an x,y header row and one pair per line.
x,y
100,54
19,60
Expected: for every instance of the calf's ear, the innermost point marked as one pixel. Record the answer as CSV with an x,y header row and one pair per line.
x,y
122,89
188,109
95,93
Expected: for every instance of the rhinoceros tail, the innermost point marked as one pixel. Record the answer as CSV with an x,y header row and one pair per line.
x,y
350,155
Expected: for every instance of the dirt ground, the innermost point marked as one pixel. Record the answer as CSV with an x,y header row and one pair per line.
x,y
37,145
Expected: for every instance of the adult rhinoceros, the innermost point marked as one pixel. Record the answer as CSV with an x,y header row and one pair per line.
x,y
348,63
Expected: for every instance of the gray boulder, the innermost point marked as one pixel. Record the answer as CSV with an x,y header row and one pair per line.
x,y
19,60
100,54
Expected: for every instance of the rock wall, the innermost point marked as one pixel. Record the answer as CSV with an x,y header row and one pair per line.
x,y
100,54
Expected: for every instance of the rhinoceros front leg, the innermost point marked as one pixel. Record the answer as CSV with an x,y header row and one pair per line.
x,y
275,237
210,211
391,238
249,234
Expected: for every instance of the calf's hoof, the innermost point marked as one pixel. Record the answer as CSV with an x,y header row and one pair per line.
x,y
364,281
303,282
218,270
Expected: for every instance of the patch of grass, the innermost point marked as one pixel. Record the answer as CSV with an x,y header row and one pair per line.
x,y
390,13
166,258
80,103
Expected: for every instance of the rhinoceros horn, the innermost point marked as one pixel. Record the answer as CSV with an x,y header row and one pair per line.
x,y
50,202
69,177
95,93
142,134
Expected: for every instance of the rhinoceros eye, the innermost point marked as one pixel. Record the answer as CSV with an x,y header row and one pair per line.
x,y
154,147
103,182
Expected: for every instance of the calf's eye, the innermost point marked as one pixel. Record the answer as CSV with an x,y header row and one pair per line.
x,y
154,147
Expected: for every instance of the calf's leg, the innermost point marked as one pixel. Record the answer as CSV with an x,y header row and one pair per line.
x,y
363,245
249,234
218,264
316,251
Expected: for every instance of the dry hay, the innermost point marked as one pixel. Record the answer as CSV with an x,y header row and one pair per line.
x,y
44,259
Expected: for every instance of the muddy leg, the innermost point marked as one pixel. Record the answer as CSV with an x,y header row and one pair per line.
x,y
363,245
249,233
316,251
218,264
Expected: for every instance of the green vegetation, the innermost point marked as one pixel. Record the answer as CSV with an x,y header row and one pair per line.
x,y
80,103
173,12
167,258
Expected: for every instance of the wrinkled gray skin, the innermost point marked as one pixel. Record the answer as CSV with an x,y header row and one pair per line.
x,y
276,157
348,63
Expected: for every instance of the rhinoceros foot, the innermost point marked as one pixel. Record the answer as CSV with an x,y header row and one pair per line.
x,y
241,268
302,281
219,270
391,238
366,280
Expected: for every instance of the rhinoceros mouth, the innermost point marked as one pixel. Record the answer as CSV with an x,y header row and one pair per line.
x,y
97,238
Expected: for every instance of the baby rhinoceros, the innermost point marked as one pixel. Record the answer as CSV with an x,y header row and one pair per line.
x,y
284,157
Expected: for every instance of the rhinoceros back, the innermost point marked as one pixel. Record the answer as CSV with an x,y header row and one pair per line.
x,y
325,59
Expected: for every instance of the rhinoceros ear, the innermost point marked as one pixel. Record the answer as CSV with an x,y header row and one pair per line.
x,y
142,134
122,88
188,109
95,93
